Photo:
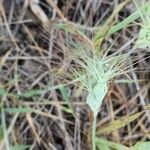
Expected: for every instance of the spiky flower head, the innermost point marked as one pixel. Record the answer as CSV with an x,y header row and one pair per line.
x,y
96,74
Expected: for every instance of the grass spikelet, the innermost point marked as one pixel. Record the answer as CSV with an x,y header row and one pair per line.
x,y
95,73
100,72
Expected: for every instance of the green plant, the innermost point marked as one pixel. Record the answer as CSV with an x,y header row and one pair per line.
x,y
97,68
144,33
103,144
97,74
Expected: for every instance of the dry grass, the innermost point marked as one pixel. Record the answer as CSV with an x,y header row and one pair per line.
x,y
34,65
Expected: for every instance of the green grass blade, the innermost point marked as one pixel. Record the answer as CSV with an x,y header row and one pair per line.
x,y
18,110
145,9
141,146
115,125
20,147
110,145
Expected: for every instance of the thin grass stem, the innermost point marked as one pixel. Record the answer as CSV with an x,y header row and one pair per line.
x,y
94,131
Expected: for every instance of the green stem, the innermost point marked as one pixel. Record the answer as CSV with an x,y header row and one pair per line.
x,y
94,131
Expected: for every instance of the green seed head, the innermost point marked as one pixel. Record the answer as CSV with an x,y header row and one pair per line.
x,y
97,73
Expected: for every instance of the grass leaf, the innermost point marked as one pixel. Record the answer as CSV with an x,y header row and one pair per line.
x,y
115,125
141,146
20,147
108,145
18,110
145,9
